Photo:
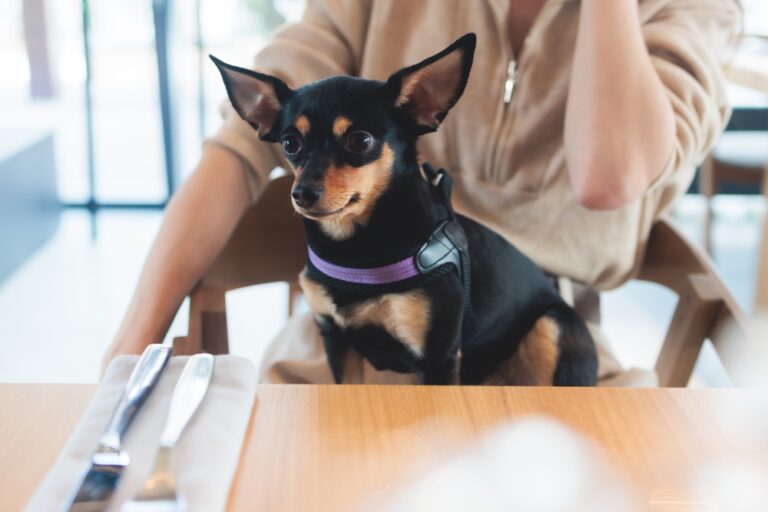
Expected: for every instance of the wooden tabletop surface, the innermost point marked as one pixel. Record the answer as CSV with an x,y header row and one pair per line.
x,y
339,445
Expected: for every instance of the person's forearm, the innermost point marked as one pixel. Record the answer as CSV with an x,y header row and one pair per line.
x,y
619,125
197,223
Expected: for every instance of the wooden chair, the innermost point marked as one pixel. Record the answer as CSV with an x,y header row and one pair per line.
x,y
268,246
705,308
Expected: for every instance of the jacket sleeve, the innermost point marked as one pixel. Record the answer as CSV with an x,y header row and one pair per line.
x,y
326,41
689,41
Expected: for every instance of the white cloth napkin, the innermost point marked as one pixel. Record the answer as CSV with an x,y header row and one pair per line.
x,y
208,452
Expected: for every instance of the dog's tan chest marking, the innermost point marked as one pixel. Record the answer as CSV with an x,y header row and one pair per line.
x,y
319,301
405,316
535,360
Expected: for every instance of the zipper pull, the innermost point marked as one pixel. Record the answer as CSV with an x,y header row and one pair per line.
x,y
509,83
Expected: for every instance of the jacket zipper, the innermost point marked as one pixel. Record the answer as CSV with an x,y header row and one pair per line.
x,y
510,80
509,83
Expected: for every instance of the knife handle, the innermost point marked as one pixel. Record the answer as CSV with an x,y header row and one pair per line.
x,y
187,396
141,382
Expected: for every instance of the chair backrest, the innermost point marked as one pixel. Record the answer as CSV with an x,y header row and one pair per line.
x,y
267,245
705,309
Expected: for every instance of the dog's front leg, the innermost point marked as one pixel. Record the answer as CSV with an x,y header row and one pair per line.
x,y
335,345
441,361
445,373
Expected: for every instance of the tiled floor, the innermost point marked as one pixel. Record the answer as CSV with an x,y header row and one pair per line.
x,y
59,311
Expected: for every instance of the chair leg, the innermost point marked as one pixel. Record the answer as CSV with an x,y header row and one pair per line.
x,y
294,291
707,188
207,330
215,336
182,346
761,291
695,314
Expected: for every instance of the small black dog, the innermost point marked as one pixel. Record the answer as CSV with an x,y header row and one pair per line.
x,y
393,273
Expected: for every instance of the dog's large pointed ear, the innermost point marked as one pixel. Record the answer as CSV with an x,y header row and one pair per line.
x,y
257,97
428,90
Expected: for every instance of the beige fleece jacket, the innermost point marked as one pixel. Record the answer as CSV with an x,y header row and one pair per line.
x,y
508,159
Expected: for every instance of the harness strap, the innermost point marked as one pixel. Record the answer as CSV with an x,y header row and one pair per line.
x,y
452,231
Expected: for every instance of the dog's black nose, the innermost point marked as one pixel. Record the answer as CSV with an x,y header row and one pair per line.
x,y
305,196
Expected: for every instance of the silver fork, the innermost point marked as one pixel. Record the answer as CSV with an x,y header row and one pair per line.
x,y
159,493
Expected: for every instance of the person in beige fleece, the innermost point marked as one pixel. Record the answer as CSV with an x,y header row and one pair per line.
x,y
581,123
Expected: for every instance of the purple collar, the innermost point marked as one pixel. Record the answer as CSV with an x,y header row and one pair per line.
x,y
400,271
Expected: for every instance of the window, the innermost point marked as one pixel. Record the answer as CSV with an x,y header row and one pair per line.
x,y
129,153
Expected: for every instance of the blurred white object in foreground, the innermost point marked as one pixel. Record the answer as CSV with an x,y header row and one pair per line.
x,y
745,346
534,465
734,485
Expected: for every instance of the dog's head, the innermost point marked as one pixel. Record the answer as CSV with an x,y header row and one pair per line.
x,y
348,138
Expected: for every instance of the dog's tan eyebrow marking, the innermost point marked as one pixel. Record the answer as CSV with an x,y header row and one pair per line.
x,y
302,124
340,125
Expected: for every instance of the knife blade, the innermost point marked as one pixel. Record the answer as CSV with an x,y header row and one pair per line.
x,y
109,460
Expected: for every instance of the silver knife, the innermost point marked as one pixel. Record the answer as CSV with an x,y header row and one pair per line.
x,y
109,460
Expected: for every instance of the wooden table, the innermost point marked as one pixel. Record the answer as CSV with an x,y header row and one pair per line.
x,y
338,445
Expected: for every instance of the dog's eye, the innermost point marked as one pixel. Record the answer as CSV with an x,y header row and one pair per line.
x,y
291,144
359,142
